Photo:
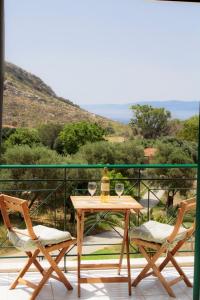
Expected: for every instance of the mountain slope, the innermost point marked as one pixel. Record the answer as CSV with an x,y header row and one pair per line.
x,y
28,101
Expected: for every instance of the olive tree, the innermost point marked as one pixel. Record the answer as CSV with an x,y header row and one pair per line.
x,y
150,121
174,179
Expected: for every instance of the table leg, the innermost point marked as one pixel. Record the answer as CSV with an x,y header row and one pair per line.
x,y
80,223
126,225
128,255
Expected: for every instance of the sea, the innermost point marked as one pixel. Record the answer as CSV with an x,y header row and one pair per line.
x,y
121,112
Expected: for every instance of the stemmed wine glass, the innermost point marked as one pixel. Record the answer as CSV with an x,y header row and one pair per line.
x,y
119,189
92,187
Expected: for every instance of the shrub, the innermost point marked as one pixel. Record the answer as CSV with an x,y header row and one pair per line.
x,y
48,134
77,134
23,136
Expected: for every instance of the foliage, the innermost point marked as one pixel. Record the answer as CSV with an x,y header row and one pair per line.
x,y
31,155
23,136
109,130
103,152
96,222
97,153
118,177
7,131
190,129
48,134
77,134
174,127
189,148
164,214
44,188
153,122
129,152
175,179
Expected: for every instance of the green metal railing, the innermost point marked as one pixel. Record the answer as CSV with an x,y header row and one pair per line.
x,y
54,191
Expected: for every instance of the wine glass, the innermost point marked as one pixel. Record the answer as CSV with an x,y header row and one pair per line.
x,y
92,187
119,188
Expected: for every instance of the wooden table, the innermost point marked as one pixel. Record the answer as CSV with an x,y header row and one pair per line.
x,y
83,204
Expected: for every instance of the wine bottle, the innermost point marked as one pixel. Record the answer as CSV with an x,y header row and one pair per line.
x,y
105,186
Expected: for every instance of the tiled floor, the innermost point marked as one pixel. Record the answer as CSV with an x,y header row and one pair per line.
x,y
148,289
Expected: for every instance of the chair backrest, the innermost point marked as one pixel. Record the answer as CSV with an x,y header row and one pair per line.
x,y
8,204
185,206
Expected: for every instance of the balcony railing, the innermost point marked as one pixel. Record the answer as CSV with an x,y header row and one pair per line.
x,y
48,189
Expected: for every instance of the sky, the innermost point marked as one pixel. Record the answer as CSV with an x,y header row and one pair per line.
x,y
108,51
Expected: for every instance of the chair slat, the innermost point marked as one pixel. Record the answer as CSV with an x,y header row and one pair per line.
x,y
12,203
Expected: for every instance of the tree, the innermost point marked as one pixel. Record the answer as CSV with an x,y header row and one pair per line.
x,y
77,134
7,131
48,134
104,152
26,155
174,127
175,179
101,152
23,136
45,188
153,122
189,148
190,129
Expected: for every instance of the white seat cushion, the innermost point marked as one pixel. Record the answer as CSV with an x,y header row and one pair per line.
x,y
156,232
46,236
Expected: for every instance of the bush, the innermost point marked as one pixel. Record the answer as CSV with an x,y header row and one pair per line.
x,y
23,136
190,129
7,131
178,179
129,152
48,134
77,134
23,155
97,153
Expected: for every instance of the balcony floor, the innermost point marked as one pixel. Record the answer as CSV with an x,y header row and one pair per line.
x,y
148,289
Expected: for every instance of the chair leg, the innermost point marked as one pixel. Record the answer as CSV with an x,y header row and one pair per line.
x,y
170,257
25,268
151,264
148,266
180,271
54,264
42,270
47,273
173,252
163,281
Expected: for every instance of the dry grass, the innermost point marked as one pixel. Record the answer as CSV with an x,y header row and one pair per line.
x,y
116,139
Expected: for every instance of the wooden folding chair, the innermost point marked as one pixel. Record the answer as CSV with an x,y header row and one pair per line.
x,y
163,238
34,240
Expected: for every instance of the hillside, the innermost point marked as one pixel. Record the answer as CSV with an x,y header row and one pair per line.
x,y
28,101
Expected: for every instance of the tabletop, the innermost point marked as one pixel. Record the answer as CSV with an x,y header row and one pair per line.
x,y
114,203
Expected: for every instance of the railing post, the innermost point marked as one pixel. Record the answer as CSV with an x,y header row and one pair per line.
x,y
139,179
65,210
196,289
2,27
139,191
148,204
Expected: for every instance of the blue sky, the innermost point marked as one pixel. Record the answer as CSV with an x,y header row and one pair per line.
x,y
108,51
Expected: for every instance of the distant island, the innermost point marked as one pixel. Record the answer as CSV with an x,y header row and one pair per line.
x,y
121,112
